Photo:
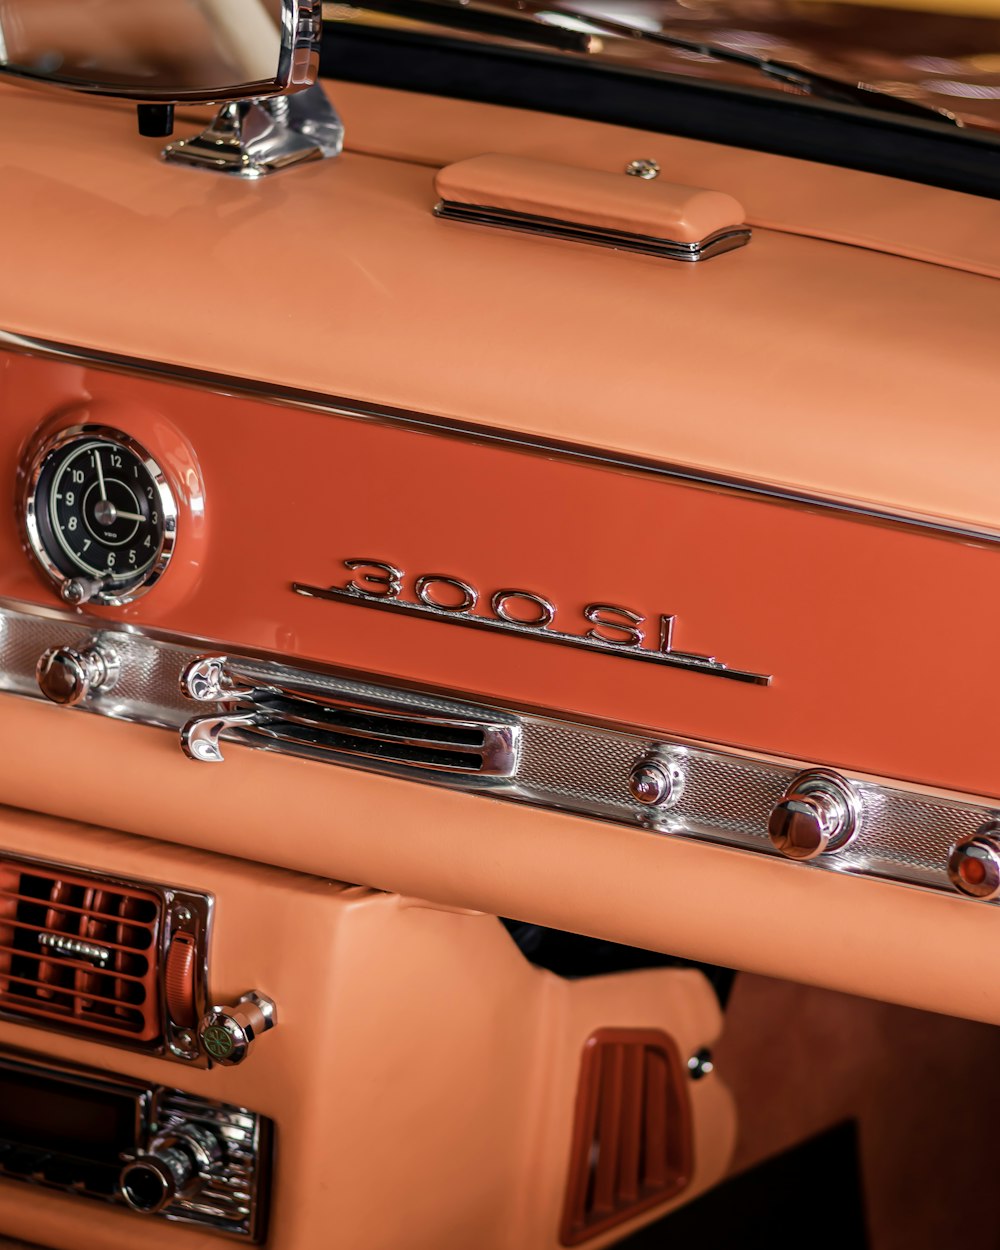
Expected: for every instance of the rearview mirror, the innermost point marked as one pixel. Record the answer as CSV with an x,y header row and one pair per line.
x,y
164,51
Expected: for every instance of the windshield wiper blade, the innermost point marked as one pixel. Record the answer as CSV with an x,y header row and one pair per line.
x,y
537,23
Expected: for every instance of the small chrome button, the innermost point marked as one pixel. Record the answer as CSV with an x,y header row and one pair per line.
x,y
655,783
227,1034
68,676
818,813
974,863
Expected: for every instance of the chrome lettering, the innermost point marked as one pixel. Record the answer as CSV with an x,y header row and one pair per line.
x,y
596,614
614,630
469,596
501,598
389,578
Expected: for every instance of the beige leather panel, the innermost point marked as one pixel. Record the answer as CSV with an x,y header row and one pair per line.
x,y
636,354
655,208
422,1074
779,192
707,902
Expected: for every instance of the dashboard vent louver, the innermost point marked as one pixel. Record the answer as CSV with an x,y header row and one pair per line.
x,y
404,735
79,951
632,1139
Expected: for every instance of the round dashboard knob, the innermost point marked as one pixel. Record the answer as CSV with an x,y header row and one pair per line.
x,y
974,863
818,813
68,676
175,1166
227,1034
655,782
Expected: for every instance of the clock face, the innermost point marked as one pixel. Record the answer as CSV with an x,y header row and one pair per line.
x,y
100,516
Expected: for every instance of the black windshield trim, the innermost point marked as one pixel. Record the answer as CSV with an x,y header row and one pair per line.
x,y
760,120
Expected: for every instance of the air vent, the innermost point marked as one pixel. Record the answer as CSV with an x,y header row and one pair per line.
x,y
398,735
79,951
632,1141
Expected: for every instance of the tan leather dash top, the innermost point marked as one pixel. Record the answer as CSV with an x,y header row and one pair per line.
x,y
589,197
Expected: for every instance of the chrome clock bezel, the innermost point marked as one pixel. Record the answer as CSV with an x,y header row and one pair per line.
x,y
109,597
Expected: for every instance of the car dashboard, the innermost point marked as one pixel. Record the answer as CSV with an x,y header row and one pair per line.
x,y
438,572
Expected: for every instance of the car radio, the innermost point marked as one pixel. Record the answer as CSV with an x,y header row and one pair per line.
x,y
156,1150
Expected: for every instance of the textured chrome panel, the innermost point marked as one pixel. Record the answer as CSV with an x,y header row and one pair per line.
x,y
723,796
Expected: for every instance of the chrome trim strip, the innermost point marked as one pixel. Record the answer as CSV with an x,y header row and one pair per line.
x,y
621,240
359,410
673,659
716,794
74,946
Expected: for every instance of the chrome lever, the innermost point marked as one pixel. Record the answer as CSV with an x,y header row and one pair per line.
x,y
209,680
200,737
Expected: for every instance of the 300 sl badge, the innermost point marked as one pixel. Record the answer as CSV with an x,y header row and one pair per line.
x,y
612,630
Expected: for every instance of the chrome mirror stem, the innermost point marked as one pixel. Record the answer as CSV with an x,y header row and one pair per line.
x,y
253,138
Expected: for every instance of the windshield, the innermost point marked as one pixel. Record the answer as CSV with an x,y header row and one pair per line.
x,y
939,55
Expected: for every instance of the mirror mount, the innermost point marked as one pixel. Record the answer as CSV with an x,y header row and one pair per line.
x,y
257,59
253,138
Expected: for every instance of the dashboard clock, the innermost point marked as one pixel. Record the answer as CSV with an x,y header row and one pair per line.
x,y
99,514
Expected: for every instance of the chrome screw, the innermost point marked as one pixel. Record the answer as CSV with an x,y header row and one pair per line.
x,y
643,168
186,1040
700,1064
181,917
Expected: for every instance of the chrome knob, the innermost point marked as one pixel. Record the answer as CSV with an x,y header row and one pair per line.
x,y
818,813
80,590
974,863
655,782
174,1166
228,1033
68,676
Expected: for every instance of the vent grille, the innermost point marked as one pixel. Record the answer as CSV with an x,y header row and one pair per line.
x,y
79,951
398,734
632,1140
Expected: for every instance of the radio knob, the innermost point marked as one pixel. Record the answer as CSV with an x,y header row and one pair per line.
x,y
818,813
68,676
175,1166
228,1033
974,863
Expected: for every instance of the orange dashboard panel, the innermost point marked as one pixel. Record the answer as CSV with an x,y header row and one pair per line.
x,y
387,544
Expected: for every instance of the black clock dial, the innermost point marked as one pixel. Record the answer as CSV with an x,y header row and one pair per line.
x,y
100,509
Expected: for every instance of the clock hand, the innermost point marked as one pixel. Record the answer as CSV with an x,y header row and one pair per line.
x,y
100,475
128,516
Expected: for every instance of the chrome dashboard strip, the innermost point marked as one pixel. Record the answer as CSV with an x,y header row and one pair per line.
x,y
317,401
621,240
718,794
